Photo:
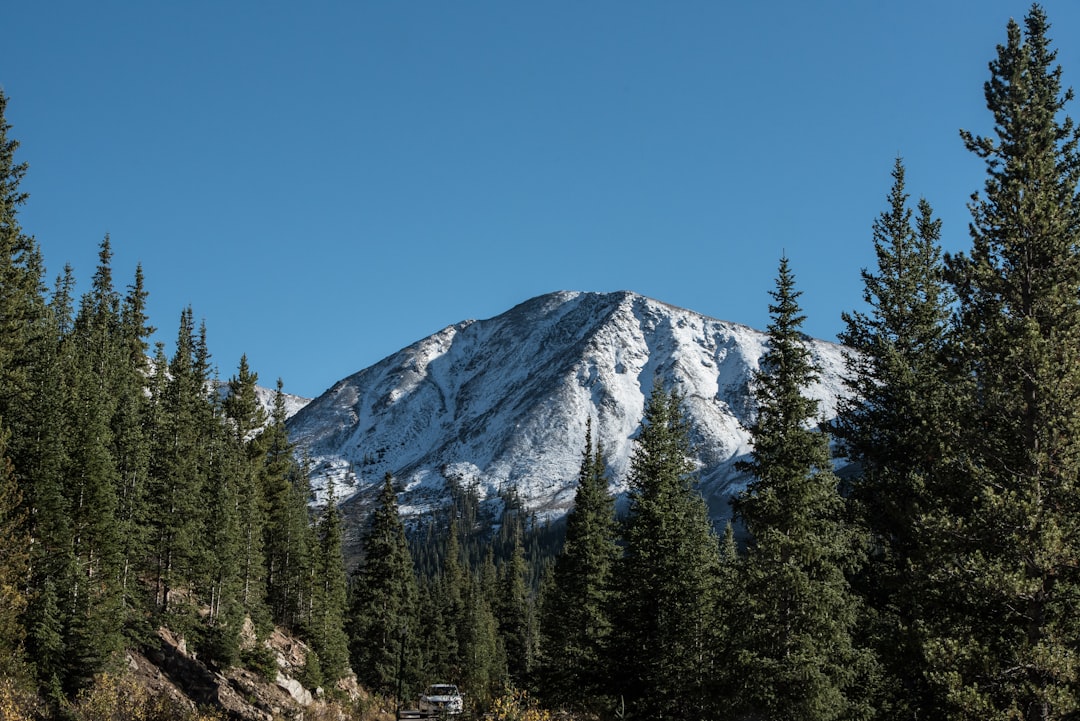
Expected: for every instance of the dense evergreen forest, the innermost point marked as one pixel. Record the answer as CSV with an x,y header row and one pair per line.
x,y
939,578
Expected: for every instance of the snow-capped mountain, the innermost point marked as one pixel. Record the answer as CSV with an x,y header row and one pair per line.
x,y
293,403
502,403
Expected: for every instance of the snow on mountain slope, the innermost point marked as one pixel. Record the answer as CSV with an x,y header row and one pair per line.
x,y
265,397
502,403
293,403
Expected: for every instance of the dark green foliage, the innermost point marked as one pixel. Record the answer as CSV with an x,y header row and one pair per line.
x,y
481,528
1004,638
222,559
435,643
14,564
666,591
132,453
32,412
246,418
45,623
326,626
131,495
482,656
451,591
288,540
896,426
311,676
513,608
44,495
86,465
575,625
22,308
502,549
126,486
794,652
179,474
262,660
92,477
384,602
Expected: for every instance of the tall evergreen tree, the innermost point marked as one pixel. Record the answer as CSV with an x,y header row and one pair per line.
x,y
14,564
21,298
179,475
247,417
514,612
795,655
575,624
94,594
29,396
666,593
221,558
132,452
442,604
289,542
384,602
452,594
896,425
45,495
327,623
1005,645
482,654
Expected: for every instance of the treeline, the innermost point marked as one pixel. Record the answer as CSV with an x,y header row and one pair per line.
x,y
939,578
134,494
145,497
139,492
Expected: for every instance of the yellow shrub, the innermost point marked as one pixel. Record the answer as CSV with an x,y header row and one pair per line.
x,y
16,704
517,706
121,698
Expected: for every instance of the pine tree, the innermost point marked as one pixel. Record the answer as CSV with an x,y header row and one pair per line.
x,y
727,682
452,592
45,464
575,623
242,405
22,306
482,655
1004,644
222,559
442,604
795,655
179,475
895,425
94,595
247,417
132,452
488,576
14,564
28,396
327,622
514,613
288,539
667,592
384,602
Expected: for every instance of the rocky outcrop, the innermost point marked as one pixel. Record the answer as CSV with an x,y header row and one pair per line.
x,y
170,669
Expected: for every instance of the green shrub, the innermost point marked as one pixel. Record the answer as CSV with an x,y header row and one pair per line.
x,y
260,659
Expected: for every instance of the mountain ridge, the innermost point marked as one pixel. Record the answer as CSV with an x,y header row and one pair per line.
x,y
502,403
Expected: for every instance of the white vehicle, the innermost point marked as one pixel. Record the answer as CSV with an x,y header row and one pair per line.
x,y
442,698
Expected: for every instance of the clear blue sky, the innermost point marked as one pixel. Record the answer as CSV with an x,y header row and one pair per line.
x,y
325,183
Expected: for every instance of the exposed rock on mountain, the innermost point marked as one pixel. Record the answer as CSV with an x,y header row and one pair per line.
x,y
502,403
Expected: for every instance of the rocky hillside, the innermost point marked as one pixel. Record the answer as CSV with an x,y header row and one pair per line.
x,y
168,675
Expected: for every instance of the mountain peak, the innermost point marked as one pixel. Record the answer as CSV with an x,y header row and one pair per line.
x,y
502,403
